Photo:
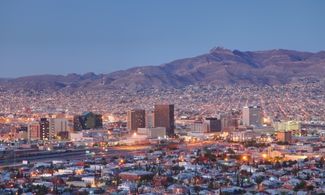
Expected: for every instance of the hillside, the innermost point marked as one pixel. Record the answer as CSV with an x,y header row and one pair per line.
x,y
218,67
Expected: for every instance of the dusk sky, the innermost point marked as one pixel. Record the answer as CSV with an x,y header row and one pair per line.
x,y
76,36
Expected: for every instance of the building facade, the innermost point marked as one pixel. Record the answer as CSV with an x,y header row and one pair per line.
x,y
149,119
58,125
198,126
252,116
44,129
213,124
87,120
157,132
164,117
284,136
136,119
33,131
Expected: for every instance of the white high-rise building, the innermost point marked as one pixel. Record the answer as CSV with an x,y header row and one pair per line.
x,y
58,125
149,119
252,115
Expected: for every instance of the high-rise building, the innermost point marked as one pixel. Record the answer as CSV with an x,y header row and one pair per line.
x,y
213,124
226,120
229,120
136,119
149,119
33,132
252,115
88,120
76,121
44,129
164,117
58,125
199,126
71,123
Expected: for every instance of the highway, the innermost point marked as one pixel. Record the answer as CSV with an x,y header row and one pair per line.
x,y
67,155
80,154
73,155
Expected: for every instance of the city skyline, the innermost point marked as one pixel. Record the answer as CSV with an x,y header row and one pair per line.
x,y
162,97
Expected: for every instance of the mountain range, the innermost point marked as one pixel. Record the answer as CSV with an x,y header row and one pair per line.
x,y
219,66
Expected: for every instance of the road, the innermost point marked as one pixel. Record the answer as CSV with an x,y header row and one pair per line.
x,y
10,162
74,155
119,151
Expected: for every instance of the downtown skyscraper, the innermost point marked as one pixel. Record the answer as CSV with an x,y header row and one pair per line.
x,y
164,117
136,119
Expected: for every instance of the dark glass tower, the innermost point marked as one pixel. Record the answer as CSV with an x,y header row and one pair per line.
x,y
164,117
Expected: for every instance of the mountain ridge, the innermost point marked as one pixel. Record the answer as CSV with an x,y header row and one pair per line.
x,y
219,66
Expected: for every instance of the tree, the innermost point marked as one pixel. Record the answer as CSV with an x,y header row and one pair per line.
x,y
231,151
210,186
258,181
40,189
300,186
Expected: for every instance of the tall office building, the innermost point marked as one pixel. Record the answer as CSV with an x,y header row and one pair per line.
x,y
229,120
149,119
164,117
252,115
136,119
213,124
33,131
88,120
226,119
58,125
71,123
44,129
199,126
76,123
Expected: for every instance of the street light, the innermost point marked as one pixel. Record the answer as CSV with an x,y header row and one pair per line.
x,y
264,156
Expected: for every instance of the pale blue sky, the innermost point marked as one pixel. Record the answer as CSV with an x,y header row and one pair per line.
x,y
101,36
